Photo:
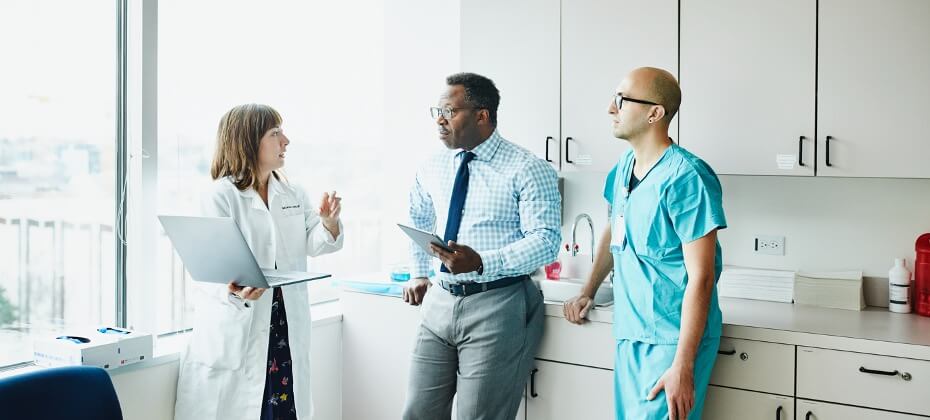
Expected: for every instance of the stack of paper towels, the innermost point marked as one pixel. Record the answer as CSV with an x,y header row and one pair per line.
x,y
830,289
759,284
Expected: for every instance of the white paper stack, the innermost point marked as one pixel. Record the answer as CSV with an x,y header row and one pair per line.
x,y
830,289
758,284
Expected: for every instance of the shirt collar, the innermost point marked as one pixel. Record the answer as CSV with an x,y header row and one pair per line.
x,y
486,150
275,187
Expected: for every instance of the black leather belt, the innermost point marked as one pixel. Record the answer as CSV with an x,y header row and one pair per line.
x,y
471,288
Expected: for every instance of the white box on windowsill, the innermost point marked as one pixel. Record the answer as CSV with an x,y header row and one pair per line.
x,y
134,346
76,349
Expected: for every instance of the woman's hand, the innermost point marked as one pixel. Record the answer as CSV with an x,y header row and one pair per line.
x,y
248,293
330,207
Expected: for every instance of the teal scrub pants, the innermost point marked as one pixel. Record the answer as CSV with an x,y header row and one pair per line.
x,y
638,367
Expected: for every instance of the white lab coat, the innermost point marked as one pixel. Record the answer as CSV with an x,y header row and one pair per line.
x,y
222,375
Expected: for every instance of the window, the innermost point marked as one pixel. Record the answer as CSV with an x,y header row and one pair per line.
x,y
354,107
352,80
57,153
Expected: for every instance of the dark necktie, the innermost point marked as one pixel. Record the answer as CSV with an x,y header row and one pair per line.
x,y
457,203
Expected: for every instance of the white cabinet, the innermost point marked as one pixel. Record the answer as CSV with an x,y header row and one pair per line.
x,y
754,365
560,391
752,74
889,383
378,336
748,83
811,410
874,88
557,65
728,403
515,43
602,40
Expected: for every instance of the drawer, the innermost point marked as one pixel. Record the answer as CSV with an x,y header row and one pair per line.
x,y
755,366
589,344
811,410
884,382
727,404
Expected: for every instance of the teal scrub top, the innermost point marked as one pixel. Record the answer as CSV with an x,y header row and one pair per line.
x,y
678,201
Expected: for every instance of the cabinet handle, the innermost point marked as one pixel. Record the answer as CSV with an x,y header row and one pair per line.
x,y
808,415
567,160
778,413
801,151
533,383
828,150
548,139
863,369
727,352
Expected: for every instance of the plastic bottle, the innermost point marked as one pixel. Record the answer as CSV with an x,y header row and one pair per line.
x,y
899,287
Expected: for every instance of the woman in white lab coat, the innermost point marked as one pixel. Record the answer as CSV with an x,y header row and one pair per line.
x,y
249,358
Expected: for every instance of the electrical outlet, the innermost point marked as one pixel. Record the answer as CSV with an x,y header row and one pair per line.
x,y
770,245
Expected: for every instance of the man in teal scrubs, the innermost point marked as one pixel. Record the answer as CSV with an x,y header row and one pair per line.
x,y
666,207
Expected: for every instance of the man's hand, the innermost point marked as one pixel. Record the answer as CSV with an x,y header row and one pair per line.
x,y
462,260
415,290
678,382
248,293
576,309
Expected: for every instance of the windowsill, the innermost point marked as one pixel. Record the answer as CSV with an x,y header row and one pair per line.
x,y
168,348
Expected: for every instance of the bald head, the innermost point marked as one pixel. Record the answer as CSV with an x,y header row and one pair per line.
x,y
658,86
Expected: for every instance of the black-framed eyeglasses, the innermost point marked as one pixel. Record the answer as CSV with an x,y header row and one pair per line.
x,y
446,113
619,99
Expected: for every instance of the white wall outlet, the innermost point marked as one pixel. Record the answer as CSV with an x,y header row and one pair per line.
x,y
770,245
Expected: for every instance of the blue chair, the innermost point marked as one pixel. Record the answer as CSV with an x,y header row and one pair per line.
x,y
74,393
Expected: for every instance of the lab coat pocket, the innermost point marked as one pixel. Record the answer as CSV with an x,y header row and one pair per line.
x,y
220,337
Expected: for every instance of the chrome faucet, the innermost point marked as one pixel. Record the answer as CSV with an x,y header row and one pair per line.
x,y
574,247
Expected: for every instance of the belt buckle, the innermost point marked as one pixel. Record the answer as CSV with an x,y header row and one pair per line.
x,y
451,289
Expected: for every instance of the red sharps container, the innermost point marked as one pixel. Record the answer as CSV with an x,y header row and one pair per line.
x,y
922,275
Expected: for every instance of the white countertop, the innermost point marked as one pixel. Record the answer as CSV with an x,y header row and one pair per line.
x,y
873,330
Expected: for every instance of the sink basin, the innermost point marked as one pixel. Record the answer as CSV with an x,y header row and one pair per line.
x,y
564,289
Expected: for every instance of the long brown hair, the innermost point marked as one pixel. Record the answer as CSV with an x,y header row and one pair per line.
x,y
237,142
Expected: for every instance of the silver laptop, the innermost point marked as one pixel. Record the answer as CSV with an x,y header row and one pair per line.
x,y
213,250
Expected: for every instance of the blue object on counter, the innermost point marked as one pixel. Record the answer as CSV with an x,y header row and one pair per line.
x,y
400,275
376,288
403,274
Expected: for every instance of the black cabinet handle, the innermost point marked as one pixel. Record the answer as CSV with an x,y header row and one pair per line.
x,y
808,415
567,160
533,383
727,352
828,150
548,139
863,369
778,413
801,151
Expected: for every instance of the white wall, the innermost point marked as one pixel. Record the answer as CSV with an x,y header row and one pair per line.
x,y
828,223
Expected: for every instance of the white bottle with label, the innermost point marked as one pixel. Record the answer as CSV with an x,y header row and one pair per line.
x,y
899,287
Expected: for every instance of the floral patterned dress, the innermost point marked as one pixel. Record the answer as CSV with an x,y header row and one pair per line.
x,y
278,401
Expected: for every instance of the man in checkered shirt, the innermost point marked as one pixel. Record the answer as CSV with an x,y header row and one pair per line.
x,y
498,207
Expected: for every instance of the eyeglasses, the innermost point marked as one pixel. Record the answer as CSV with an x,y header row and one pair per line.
x,y
619,99
446,113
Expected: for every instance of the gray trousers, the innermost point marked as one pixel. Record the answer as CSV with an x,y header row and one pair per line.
x,y
480,347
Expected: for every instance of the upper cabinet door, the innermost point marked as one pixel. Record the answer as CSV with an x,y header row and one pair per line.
x,y
602,40
874,88
748,85
515,43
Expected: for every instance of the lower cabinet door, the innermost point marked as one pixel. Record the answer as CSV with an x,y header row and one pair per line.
x,y
559,391
811,410
728,404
